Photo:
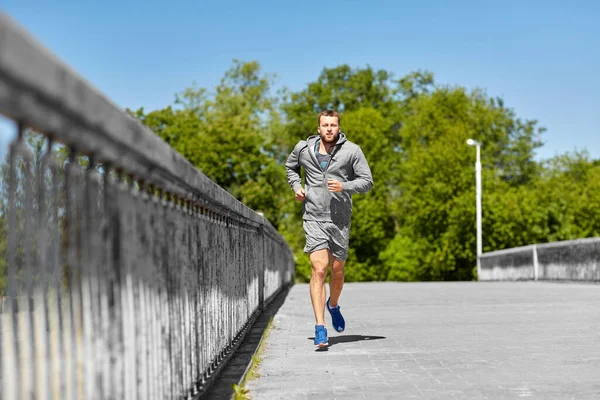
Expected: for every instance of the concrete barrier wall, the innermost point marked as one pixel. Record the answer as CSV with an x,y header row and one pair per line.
x,y
129,273
570,260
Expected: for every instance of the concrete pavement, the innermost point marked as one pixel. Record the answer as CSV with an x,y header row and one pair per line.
x,y
463,340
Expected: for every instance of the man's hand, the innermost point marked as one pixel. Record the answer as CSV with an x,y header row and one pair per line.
x,y
334,186
300,194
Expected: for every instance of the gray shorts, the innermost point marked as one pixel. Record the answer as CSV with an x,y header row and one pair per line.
x,y
327,235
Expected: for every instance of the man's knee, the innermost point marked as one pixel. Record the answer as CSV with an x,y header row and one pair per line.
x,y
319,269
337,267
319,263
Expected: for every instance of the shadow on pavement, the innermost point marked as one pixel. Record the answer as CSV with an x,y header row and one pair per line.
x,y
333,340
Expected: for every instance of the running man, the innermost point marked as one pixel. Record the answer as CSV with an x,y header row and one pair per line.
x,y
335,168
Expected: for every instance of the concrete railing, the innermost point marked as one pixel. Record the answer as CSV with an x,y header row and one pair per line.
x,y
130,274
570,260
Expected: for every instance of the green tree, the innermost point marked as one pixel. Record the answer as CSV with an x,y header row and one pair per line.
x,y
372,227
436,179
341,88
231,135
418,222
413,133
559,205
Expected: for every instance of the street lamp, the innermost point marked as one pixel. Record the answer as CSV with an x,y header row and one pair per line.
x,y
477,145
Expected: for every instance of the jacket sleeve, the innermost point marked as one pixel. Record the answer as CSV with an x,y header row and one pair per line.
x,y
363,180
292,167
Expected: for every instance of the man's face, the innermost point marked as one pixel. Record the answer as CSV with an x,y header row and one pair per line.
x,y
329,129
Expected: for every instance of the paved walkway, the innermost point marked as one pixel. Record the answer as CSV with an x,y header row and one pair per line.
x,y
463,340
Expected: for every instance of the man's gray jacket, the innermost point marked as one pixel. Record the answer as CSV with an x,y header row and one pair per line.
x,y
347,165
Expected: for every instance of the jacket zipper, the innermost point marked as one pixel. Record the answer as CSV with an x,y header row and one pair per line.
x,y
333,152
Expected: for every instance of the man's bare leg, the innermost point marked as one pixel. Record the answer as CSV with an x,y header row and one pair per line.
x,y
336,281
320,261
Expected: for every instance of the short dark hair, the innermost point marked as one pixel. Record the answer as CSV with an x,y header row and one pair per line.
x,y
328,113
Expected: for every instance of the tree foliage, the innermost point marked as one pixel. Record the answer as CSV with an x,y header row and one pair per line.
x,y
418,222
230,135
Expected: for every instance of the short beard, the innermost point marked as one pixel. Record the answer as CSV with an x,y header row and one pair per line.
x,y
335,138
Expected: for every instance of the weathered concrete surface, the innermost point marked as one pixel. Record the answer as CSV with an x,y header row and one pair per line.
x,y
568,260
483,340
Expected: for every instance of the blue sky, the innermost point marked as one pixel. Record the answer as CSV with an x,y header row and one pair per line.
x,y
541,57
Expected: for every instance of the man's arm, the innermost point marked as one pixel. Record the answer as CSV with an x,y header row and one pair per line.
x,y
363,180
292,168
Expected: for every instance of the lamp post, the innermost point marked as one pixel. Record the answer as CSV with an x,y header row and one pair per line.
x,y
477,145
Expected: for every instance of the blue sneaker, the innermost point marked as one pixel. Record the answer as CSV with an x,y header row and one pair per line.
x,y
320,336
336,317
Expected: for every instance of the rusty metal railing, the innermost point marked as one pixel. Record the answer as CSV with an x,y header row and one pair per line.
x,y
129,274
